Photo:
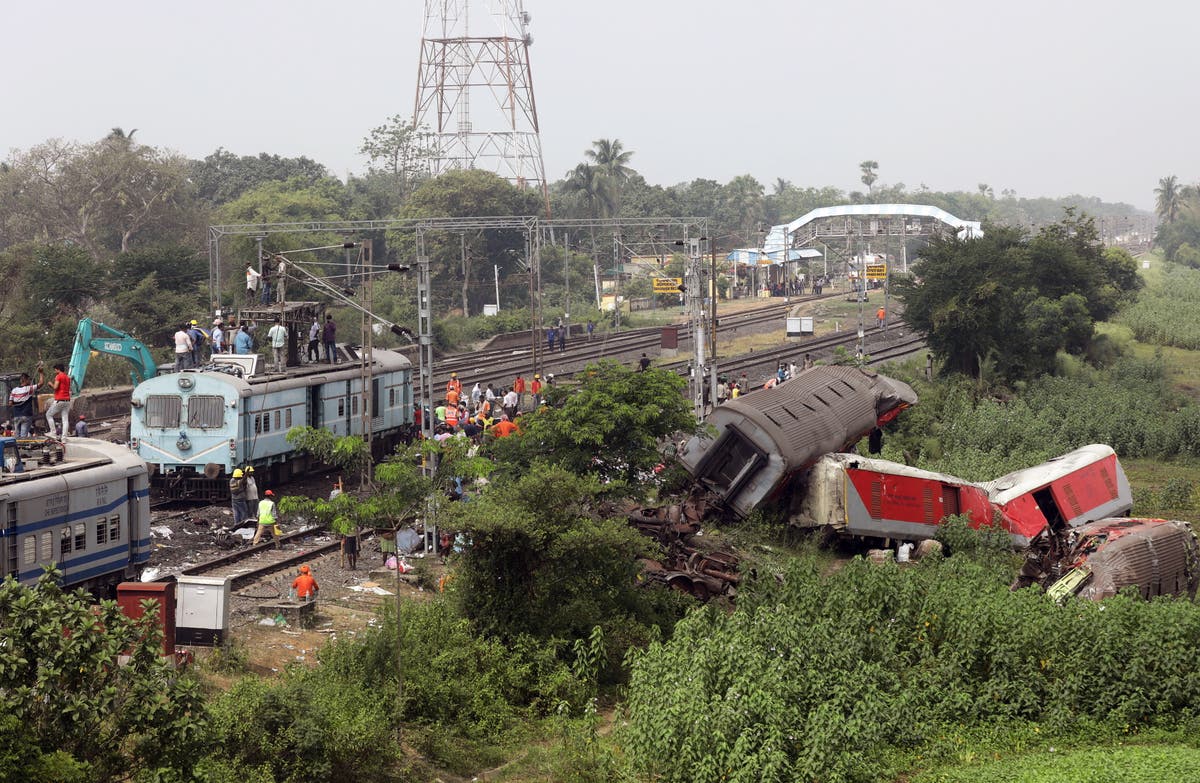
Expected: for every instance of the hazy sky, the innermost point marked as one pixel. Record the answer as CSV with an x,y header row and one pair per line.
x,y
1045,97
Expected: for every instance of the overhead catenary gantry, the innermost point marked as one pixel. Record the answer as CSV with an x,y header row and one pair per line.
x,y
659,235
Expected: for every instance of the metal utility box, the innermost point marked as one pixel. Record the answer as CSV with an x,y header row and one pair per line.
x,y
130,596
202,609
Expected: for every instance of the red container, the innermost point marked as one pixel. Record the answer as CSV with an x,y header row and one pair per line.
x,y
130,596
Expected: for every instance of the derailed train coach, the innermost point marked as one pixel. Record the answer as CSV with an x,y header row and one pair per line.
x,y
82,507
857,496
766,439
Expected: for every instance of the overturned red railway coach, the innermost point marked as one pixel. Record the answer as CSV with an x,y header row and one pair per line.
x,y
857,496
765,440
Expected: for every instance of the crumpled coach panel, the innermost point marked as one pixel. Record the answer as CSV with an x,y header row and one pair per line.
x,y
1158,556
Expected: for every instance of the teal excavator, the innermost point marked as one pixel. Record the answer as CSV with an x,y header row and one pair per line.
x,y
95,336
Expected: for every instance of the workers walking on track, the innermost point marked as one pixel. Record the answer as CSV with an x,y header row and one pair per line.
x,y
267,518
881,317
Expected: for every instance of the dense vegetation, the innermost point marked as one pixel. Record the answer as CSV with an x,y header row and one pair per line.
x,y
852,676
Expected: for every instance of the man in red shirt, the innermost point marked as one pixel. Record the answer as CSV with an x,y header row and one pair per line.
x,y
62,400
519,388
536,389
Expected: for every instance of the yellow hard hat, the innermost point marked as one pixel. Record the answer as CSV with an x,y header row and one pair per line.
x,y
249,468
237,473
453,375
536,375
194,322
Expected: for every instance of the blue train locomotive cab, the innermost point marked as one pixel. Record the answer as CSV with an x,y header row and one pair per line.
x,y
88,515
194,428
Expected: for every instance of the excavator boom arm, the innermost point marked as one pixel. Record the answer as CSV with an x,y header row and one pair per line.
x,y
94,336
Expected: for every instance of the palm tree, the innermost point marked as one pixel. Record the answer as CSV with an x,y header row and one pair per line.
x,y
1168,202
583,181
609,159
782,186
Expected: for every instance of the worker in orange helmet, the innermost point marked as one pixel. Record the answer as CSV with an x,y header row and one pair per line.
x,y
455,384
305,586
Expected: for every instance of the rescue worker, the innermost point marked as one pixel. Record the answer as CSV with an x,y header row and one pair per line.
x,y
535,389
267,518
251,491
237,495
519,388
305,586
880,316
454,384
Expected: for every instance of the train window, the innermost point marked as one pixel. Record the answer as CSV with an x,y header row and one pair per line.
x,y
207,410
374,398
30,550
257,424
278,419
341,406
101,531
287,418
47,547
162,410
64,542
354,405
392,397
80,536
266,422
114,527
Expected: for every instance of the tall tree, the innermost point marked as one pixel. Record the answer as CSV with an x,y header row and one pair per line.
x,y
1167,198
223,176
869,175
465,193
399,150
610,159
1010,301
104,196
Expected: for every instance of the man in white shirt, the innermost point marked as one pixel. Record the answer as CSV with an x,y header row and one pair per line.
x,y
277,336
314,341
510,403
252,277
183,348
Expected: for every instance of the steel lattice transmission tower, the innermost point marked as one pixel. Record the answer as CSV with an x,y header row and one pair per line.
x,y
475,92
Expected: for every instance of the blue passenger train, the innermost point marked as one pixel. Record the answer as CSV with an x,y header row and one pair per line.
x,y
83,507
195,427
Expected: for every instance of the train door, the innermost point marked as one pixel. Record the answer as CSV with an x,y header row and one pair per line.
x,y
950,504
133,525
374,398
1049,507
8,512
314,406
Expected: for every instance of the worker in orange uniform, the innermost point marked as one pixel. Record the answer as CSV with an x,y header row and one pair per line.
x,y
880,316
504,427
305,586
454,384
535,389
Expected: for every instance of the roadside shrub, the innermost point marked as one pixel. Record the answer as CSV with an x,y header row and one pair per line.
x,y
1177,494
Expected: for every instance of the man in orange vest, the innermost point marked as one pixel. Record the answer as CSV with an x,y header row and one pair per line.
x,y
519,388
880,315
305,586
536,389
504,427
455,384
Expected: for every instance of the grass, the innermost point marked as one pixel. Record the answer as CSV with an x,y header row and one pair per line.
x,y
1122,764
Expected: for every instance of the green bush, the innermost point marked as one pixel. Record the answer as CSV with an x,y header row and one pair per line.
x,y
842,676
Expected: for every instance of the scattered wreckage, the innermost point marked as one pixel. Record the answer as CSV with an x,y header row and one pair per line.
x,y
780,446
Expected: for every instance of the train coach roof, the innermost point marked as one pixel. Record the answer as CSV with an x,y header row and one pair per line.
x,y
1026,480
856,462
303,377
821,410
80,454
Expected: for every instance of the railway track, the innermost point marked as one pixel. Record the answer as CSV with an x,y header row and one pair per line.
x,y
500,366
249,564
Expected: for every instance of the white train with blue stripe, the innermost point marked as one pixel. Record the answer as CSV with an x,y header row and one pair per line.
x,y
83,507
195,427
